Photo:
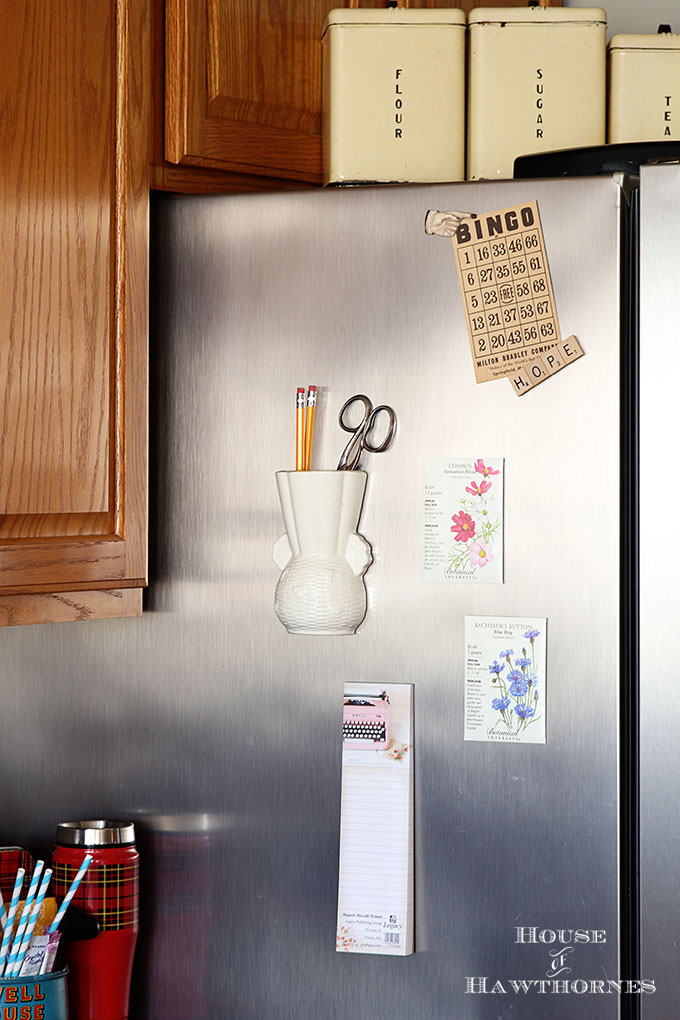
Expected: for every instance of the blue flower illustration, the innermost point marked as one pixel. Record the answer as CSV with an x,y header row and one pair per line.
x,y
516,687
531,634
519,687
524,711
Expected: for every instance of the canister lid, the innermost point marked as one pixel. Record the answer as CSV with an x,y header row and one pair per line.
x,y
387,16
95,832
656,41
537,16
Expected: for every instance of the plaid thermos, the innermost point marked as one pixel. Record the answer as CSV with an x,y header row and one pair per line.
x,y
100,969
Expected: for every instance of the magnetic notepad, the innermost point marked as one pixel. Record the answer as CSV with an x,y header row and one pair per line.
x,y
375,884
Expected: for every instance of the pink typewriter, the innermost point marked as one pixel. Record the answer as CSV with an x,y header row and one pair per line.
x,y
365,721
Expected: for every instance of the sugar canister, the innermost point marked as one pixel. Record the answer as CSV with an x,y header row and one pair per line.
x,y
536,81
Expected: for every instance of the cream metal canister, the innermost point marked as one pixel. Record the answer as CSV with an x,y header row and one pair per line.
x,y
644,87
536,81
394,95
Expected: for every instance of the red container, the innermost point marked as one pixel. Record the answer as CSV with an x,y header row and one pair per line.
x,y
100,969
11,859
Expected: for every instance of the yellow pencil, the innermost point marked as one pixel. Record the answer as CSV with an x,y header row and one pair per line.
x,y
300,429
309,426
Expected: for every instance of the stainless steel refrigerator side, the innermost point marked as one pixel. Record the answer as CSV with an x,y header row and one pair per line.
x,y
221,732
345,290
659,591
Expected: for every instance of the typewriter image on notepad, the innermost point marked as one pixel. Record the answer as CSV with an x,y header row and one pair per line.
x,y
365,721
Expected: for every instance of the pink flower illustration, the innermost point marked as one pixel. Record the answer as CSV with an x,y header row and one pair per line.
x,y
397,752
478,490
479,554
463,526
481,467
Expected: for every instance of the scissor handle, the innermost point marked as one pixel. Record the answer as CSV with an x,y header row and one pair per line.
x,y
352,452
368,407
360,433
370,425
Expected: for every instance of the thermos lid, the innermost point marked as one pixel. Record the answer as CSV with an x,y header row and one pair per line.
x,y
95,832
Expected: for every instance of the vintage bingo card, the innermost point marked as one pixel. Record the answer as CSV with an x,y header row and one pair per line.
x,y
506,288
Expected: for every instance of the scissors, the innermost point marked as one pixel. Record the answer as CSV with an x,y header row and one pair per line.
x,y
360,440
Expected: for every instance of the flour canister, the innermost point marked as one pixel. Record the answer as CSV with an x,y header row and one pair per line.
x,y
393,95
644,87
536,81
101,968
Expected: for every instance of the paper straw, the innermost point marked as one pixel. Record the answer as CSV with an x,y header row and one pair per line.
x,y
30,896
300,429
35,910
3,913
87,860
19,881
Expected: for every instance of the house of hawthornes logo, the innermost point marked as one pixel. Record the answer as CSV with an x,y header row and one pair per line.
x,y
563,946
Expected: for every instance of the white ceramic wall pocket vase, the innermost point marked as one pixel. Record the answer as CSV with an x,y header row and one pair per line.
x,y
321,556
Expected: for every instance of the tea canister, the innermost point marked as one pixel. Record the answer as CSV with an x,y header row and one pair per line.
x,y
536,81
393,96
644,87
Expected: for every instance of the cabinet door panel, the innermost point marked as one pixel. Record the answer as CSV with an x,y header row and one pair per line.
x,y
55,284
241,85
278,88
26,565
74,129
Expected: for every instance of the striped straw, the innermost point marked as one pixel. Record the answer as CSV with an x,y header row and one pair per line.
x,y
26,941
3,912
87,860
30,896
19,881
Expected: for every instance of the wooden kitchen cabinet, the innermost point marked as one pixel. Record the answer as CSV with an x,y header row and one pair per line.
x,y
74,133
241,83
242,90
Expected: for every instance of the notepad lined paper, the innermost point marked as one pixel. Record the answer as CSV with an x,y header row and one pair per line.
x,y
375,888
